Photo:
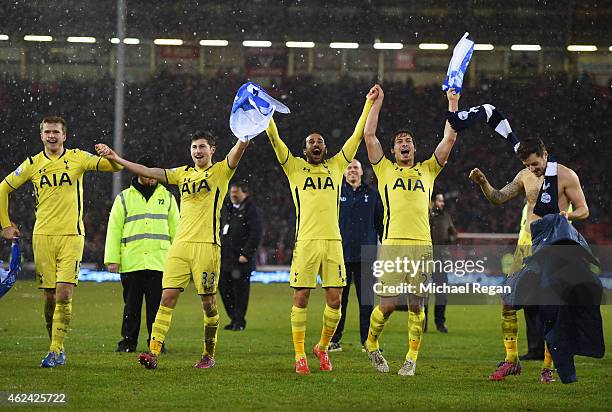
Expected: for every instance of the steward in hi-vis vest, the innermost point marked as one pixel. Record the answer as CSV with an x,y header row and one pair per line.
x,y
141,226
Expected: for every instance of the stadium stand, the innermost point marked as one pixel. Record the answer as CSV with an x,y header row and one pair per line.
x,y
573,116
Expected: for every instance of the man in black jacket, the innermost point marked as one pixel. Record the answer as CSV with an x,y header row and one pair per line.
x,y
361,216
443,233
240,236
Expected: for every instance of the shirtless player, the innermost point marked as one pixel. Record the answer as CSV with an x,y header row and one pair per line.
x,y
528,181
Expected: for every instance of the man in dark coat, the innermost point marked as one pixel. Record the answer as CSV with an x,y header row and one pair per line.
x,y
443,233
241,234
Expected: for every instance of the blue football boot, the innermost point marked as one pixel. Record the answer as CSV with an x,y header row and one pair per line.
x,y
50,361
61,359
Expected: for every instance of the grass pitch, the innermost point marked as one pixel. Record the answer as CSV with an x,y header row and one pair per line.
x,y
254,368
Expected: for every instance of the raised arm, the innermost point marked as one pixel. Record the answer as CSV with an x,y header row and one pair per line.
x,y
575,195
373,146
497,197
150,172
234,155
280,148
107,165
450,135
349,149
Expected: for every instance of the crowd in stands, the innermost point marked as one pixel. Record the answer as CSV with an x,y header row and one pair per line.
x,y
574,118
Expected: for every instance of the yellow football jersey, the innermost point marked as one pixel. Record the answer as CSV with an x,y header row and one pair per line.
x,y
58,188
202,194
316,188
406,192
316,195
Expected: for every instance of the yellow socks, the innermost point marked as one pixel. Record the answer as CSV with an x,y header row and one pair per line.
x,y
416,322
548,362
61,320
160,329
510,332
298,330
331,318
162,324
211,325
377,323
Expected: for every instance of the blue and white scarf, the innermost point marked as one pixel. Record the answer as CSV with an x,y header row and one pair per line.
x,y
252,110
9,277
487,112
548,198
462,53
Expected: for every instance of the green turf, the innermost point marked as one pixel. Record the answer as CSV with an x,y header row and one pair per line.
x,y
255,368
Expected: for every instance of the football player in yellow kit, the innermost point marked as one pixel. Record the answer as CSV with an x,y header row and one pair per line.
x,y
196,250
59,235
405,187
315,184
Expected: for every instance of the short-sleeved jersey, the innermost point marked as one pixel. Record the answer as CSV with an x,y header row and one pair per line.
x,y
406,193
58,188
316,188
202,193
316,195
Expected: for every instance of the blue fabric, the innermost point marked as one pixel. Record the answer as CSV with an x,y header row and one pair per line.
x,y
462,53
361,215
554,229
14,268
252,110
464,119
558,278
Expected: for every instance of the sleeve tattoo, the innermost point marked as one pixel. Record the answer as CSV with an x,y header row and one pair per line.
x,y
511,190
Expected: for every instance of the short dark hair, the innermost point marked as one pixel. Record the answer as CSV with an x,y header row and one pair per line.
x,y
206,135
436,194
398,132
529,146
242,185
311,133
54,119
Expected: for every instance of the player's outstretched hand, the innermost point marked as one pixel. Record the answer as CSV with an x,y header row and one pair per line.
x,y
452,96
11,232
105,151
478,177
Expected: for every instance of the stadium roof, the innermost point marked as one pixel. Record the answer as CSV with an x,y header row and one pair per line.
x,y
550,23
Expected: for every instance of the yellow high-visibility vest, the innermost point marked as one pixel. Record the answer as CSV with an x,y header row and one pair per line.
x,y
140,232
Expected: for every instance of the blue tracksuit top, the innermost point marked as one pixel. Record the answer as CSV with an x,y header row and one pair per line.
x,y
361,216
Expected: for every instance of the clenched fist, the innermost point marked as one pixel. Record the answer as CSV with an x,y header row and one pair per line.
x,y
10,232
478,177
375,93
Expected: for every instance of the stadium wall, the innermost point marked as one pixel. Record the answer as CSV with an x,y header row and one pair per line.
x,y
53,61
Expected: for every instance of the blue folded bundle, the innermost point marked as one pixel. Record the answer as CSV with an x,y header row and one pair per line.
x,y
462,53
252,110
8,278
